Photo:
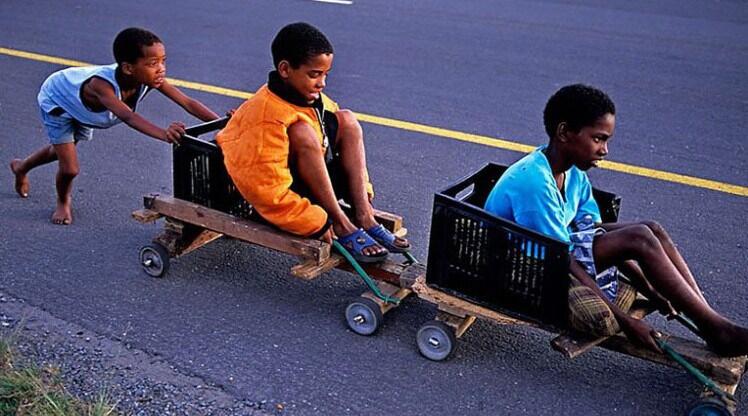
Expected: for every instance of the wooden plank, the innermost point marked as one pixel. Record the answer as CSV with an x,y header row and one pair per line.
x,y
459,323
386,271
179,238
173,224
440,298
411,274
169,239
452,311
388,290
401,232
573,344
392,222
145,216
241,229
722,370
202,238
310,269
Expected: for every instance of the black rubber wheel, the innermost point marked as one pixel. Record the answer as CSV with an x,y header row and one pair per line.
x,y
711,406
363,316
436,340
154,258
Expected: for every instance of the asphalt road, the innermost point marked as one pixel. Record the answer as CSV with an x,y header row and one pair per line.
x,y
231,314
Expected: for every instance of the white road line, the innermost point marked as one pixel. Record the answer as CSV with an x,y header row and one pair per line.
x,y
346,2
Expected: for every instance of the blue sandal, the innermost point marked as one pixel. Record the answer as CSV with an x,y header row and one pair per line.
x,y
357,241
384,237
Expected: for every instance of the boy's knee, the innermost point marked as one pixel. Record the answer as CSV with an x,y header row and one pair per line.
x,y
347,119
302,137
69,172
656,228
641,237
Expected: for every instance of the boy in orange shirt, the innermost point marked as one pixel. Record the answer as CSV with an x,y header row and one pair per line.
x,y
293,154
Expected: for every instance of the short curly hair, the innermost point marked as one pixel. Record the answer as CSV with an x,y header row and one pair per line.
x,y
129,43
578,105
297,43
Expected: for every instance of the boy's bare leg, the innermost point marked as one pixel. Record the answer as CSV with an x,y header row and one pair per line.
x,y
631,270
350,141
306,153
67,171
669,246
638,242
21,168
670,249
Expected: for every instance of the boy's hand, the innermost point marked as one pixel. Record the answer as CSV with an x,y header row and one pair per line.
x,y
328,236
174,132
641,333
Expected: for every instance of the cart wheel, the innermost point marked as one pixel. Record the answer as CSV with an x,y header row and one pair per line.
x,y
155,260
436,340
711,406
363,316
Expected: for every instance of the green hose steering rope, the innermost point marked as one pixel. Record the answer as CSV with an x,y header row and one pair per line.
x,y
369,282
683,319
410,258
703,379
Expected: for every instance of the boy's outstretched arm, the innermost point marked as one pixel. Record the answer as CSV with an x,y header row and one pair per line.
x,y
103,92
193,106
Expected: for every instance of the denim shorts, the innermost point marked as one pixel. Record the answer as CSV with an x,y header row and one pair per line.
x,y
63,128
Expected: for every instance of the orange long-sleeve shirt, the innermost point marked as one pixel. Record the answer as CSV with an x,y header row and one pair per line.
x,y
255,146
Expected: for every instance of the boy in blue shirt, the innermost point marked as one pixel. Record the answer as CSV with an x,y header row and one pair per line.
x,y
74,101
548,191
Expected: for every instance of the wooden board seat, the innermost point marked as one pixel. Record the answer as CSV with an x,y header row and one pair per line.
x,y
456,312
572,344
189,226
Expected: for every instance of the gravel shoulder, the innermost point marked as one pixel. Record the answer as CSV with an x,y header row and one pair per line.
x,y
89,364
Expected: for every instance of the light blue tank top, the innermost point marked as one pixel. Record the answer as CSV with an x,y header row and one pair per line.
x,y
63,89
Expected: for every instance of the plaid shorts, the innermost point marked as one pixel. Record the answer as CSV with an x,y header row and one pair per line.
x,y
590,314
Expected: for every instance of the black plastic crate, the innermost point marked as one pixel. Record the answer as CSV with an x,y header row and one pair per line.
x,y
496,263
200,175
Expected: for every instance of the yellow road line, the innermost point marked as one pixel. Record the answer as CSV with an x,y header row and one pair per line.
x,y
178,82
434,131
210,88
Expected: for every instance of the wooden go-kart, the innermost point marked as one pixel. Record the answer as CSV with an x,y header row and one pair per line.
x,y
482,266
207,206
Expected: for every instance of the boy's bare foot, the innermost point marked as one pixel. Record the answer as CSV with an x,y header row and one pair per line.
x,y
63,214
22,181
732,341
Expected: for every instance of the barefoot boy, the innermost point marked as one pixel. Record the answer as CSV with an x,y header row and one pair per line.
x,y
293,154
548,191
74,101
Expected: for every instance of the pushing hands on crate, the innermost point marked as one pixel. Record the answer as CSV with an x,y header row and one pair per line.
x,y
549,191
293,154
74,101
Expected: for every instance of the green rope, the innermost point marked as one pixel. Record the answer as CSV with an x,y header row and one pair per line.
x,y
409,257
361,272
703,379
683,319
